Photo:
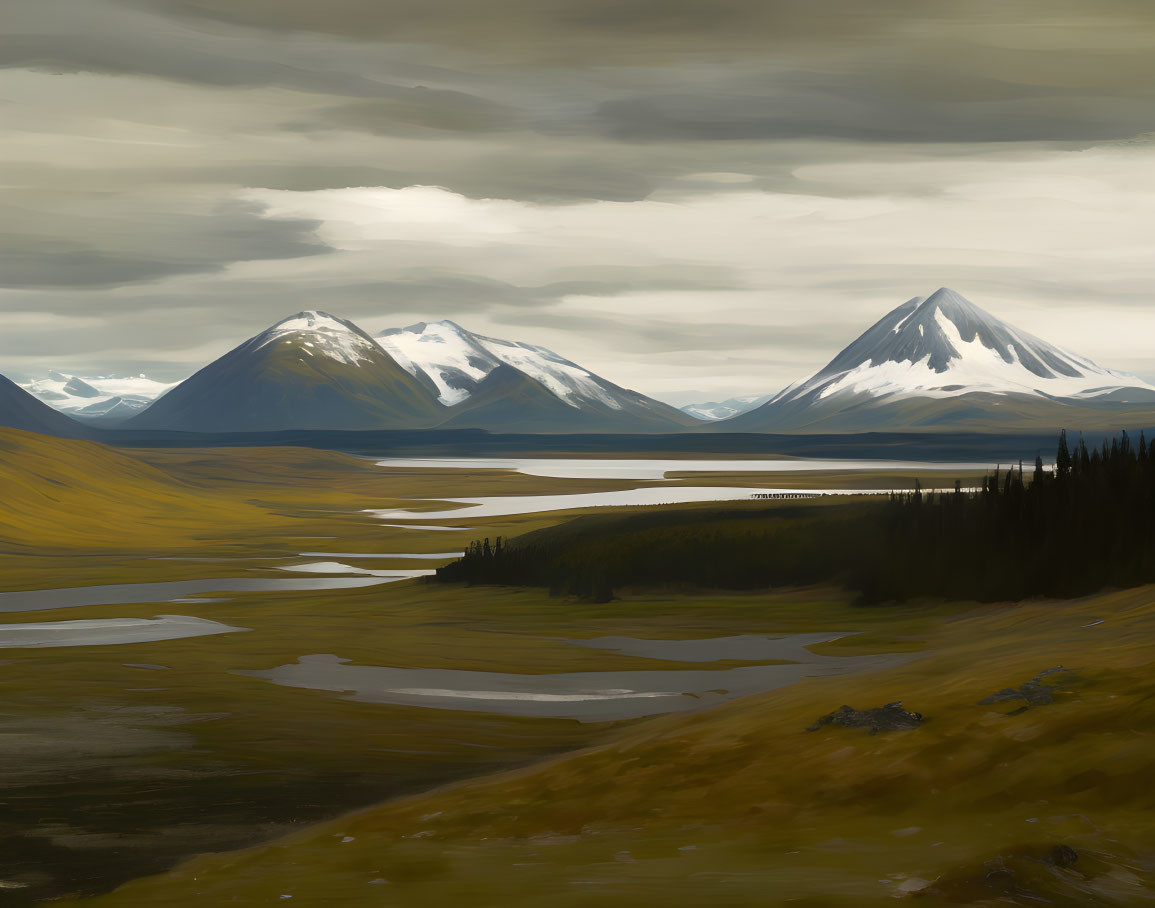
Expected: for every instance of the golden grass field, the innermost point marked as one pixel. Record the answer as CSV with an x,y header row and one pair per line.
x,y
118,772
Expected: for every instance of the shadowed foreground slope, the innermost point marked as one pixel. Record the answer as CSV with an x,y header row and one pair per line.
x,y
988,800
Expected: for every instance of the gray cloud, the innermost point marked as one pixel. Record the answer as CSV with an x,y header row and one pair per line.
x,y
720,191
553,32
531,174
540,30
851,108
423,108
444,293
658,335
54,264
887,71
95,242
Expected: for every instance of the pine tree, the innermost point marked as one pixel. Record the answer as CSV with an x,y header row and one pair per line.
x,y
1063,458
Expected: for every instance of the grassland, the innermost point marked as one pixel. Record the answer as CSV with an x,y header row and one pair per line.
x,y
147,753
741,805
122,762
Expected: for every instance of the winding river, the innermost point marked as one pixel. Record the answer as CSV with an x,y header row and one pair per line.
x,y
585,696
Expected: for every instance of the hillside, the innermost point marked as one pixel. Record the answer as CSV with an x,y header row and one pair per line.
x,y
69,493
985,801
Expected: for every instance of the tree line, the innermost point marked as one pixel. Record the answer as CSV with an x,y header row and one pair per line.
x,y
1085,524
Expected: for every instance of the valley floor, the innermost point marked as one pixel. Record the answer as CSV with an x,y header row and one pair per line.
x,y
123,762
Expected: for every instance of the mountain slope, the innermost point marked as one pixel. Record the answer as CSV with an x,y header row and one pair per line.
x,y
560,395
20,410
944,362
508,400
309,371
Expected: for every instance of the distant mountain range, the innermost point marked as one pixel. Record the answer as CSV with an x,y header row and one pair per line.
x,y
97,398
934,363
714,410
20,410
942,362
316,371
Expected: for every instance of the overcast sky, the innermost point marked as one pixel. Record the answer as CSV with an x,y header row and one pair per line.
x,y
693,198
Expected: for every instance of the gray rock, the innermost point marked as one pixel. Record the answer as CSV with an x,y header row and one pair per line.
x,y
891,717
1039,691
1063,856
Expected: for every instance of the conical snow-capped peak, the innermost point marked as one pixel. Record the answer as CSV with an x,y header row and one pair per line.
x,y
945,346
316,333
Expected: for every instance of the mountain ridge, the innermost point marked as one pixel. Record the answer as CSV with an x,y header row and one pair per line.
x,y
931,363
461,364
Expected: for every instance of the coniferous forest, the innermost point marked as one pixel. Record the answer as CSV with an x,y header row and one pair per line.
x,y
1084,525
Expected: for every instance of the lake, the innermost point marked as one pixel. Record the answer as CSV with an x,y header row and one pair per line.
x,y
597,696
655,469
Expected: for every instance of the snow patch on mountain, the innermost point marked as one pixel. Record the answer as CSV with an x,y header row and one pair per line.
x,y
457,361
452,358
567,381
316,333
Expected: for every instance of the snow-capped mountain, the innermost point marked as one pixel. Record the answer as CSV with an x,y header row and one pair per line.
x,y
512,386
96,398
732,406
943,361
309,371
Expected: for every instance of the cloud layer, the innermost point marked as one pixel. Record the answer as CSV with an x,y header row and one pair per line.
x,y
684,195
